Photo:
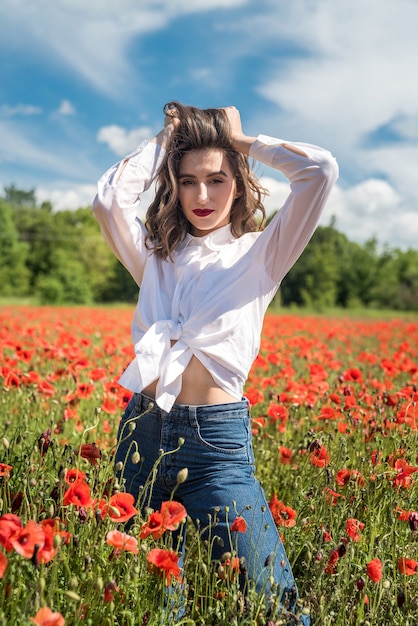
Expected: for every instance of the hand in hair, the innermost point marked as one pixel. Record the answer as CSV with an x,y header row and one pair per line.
x,y
171,117
240,141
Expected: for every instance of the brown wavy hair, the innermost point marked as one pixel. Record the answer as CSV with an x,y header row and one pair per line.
x,y
200,129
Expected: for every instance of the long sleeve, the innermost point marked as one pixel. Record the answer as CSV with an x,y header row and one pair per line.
x,y
117,201
311,180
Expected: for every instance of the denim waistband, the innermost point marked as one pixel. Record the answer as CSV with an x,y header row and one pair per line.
x,y
144,403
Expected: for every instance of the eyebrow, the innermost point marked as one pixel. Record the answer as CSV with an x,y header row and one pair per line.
x,y
220,173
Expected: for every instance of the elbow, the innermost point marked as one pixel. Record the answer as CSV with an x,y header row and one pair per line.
x,y
331,168
328,170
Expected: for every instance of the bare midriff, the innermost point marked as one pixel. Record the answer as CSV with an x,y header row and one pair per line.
x,y
198,387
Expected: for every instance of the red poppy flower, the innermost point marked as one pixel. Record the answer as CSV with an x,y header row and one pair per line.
x,y
326,536
51,528
154,526
353,375
26,539
46,553
332,496
286,455
328,413
46,388
331,567
173,513
409,567
78,494
374,570
164,562
344,476
254,396
108,594
11,379
122,541
84,390
239,525
73,475
278,413
5,470
9,525
3,564
120,507
46,617
90,452
109,406
320,456
283,515
353,528
402,514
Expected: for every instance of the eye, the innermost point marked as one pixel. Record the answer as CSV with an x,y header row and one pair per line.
x,y
187,182
217,180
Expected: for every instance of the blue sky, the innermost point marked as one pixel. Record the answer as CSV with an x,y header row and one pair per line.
x,y
83,82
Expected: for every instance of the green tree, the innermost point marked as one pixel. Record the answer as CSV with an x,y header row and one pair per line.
x,y
19,197
313,280
14,276
396,286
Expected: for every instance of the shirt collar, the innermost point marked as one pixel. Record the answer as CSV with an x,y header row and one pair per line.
x,y
214,241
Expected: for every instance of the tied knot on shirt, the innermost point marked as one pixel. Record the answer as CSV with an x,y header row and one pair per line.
x,y
160,360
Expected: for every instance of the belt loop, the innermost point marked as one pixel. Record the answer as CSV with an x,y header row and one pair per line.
x,y
192,414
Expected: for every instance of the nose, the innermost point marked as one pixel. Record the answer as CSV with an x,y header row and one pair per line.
x,y
202,193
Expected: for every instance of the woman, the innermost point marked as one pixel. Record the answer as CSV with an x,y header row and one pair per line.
x,y
207,272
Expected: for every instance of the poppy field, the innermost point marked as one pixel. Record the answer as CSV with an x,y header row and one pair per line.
x,y
335,425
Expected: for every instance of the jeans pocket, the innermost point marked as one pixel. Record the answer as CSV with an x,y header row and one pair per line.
x,y
227,435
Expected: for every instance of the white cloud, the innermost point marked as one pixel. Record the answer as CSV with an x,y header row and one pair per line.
x,y
20,109
373,208
66,108
122,141
67,198
93,38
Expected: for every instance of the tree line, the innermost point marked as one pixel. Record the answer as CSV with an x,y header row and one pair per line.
x,y
61,258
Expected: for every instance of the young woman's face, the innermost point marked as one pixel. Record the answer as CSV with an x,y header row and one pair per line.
x,y
207,190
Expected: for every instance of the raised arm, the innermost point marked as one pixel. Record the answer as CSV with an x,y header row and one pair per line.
x,y
312,172
118,199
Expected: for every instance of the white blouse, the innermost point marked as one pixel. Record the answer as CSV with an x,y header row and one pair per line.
x,y
211,299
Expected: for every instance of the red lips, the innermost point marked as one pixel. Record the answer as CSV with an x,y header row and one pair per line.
x,y
202,212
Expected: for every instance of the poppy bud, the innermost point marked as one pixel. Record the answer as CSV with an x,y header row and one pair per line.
x,y
136,457
400,598
341,550
182,475
413,521
360,583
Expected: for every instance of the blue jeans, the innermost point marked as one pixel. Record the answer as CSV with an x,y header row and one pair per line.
x,y
217,451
